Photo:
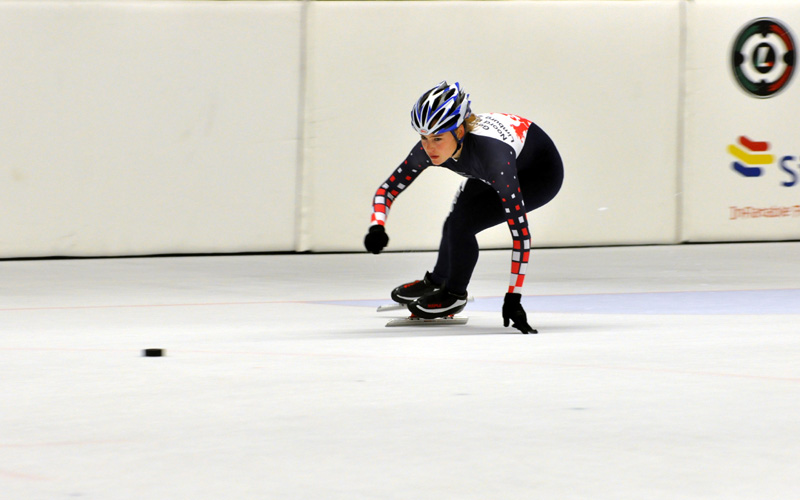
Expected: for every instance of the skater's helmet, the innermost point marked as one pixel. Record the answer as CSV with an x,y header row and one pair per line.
x,y
441,109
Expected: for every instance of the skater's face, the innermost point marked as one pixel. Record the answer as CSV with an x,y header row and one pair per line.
x,y
440,147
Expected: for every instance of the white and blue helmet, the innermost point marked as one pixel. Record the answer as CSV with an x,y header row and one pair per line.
x,y
441,109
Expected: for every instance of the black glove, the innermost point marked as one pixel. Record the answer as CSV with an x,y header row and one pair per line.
x,y
376,239
513,312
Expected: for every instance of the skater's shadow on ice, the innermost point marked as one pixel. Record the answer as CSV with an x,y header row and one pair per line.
x,y
476,325
416,331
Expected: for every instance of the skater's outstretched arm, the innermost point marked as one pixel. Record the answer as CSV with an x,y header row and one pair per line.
x,y
377,239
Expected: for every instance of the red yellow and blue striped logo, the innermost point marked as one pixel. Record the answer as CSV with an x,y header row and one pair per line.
x,y
750,156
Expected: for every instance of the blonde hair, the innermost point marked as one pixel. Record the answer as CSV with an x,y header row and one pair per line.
x,y
470,122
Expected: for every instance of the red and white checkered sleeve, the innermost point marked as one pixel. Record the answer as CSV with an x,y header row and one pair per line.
x,y
520,253
514,207
400,179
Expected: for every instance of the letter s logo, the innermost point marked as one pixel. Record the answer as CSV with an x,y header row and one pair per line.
x,y
789,171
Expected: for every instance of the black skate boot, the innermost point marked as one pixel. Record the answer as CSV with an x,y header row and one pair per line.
x,y
438,304
406,294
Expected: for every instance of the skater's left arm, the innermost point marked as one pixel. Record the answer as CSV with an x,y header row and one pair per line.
x,y
507,186
508,189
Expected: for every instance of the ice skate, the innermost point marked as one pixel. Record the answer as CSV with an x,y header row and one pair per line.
x,y
394,306
438,304
409,292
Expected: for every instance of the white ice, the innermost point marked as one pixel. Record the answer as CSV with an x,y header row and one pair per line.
x,y
660,372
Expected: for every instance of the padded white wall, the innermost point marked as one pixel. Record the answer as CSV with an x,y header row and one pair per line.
x,y
148,127
601,77
143,127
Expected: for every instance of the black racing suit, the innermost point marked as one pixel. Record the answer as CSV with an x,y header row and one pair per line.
x,y
512,167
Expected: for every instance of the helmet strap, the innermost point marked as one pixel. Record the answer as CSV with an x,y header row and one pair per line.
x,y
458,148
459,142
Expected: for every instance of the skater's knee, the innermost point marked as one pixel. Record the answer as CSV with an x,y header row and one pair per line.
x,y
457,224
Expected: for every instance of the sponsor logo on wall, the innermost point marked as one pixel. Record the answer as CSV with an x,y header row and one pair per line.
x,y
752,159
750,156
763,57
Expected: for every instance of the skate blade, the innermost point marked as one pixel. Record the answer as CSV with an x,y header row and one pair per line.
x,y
396,306
417,321
391,307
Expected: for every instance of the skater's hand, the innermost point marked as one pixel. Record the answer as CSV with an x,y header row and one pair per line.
x,y
515,314
376,239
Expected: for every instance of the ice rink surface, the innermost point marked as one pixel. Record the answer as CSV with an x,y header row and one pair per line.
x,y
662,372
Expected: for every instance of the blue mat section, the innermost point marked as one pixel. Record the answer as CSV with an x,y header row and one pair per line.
x,y
711,302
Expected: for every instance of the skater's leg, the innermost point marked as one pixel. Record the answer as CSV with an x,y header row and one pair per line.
x,y
452,249
475,208
441,271
540,187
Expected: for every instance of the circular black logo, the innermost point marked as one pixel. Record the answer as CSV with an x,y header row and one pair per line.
x,y
763,57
